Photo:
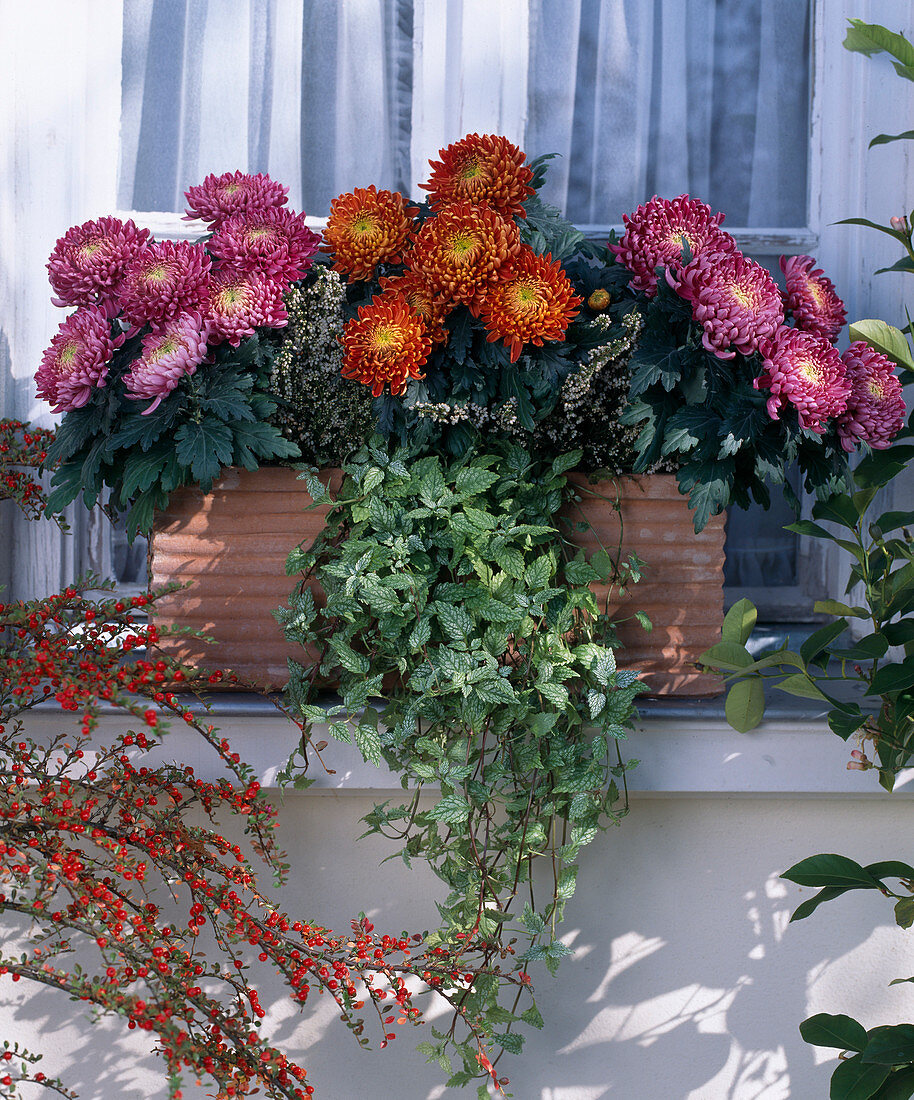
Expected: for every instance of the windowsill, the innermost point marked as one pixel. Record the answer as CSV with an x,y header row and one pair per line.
x,y
685,748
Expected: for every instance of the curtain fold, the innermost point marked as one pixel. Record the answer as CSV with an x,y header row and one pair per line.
x,y
645,97
317,94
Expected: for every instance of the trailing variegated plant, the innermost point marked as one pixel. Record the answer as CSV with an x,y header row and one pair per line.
x,y
451,593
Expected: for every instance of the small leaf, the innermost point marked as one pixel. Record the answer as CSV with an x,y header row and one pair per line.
x,y
884,139
800,685
727,655
739,622
453,808
885,338
368,742
890,1046
854,1079
745,705
835,607
817,642
808,907
894,677
904,913
841,1032
831,870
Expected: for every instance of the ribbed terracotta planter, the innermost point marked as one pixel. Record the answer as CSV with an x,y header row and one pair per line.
x,y
682,585
232,545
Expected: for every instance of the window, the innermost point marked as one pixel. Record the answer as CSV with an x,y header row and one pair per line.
x,y
706,96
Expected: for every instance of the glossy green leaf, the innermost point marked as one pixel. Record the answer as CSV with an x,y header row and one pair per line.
x,y
904,913
830,870
841,1032
894,677
885,338
890,1046
820,639
855,1079
739,622
884,139
745,705
808,907
871,38
800,685
726,655
898,1086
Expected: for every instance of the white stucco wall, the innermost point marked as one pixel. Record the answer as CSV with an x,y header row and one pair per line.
x,y
686,983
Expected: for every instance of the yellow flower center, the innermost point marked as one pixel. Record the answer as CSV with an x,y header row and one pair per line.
x,y
231,296
462,246
88,248
815,292
524,296
470,169
156,274
386,340
68,352
365,225
811,371
259,232
678,234
747,295
877,388
168,347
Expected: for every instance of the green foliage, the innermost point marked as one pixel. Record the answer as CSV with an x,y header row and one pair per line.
x,y
449,585
216,417
705,417
868,682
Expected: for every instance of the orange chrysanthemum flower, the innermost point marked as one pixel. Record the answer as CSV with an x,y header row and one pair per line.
x,y
533,302
421,299
486,170
460,251
367,227
385,344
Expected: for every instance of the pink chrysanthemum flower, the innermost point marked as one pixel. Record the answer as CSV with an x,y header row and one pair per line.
x,y
77,361
811,298
275,242
165,279
89,261
242,301
654,236
734,299
219,197
171,351
875,408
804,370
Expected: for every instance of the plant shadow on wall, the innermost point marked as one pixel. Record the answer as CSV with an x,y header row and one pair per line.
x,y
866,683
680,995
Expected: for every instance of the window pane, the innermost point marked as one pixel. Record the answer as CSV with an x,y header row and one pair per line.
x,y
709,97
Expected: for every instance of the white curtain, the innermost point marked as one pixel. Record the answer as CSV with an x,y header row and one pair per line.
x,y
638,96
645,97
318,94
